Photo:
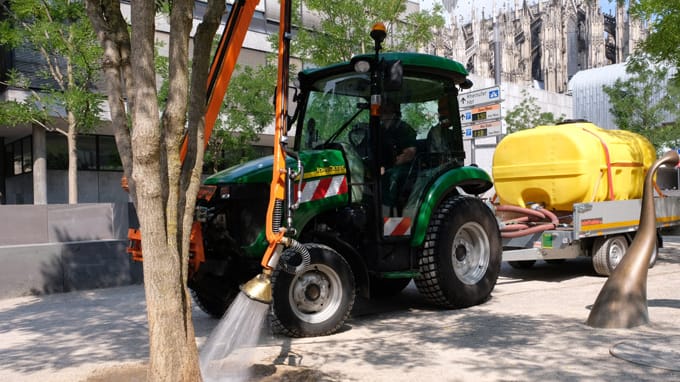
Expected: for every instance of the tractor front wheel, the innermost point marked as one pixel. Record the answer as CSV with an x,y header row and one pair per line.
x,y
318,299
461,256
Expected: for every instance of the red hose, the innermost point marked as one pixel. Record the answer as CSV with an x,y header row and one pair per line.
x,y
528,231
512,229
521,210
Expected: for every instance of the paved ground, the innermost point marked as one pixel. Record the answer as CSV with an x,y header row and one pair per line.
x,y
532,329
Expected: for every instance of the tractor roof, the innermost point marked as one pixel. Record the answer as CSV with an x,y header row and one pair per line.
x,y
411,62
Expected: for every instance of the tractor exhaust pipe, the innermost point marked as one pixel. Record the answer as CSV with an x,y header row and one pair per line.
x,y
622,302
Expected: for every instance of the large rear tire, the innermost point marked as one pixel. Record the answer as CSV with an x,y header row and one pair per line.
x,y
461,256
317,300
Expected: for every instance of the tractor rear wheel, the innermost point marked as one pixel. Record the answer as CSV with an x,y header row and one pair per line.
x,y
461,256
317,300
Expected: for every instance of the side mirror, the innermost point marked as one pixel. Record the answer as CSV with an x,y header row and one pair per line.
x,y
393,75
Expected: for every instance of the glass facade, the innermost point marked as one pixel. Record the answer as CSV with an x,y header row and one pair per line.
x,y
95,153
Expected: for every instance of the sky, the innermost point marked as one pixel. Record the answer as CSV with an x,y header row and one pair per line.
x,y
463,8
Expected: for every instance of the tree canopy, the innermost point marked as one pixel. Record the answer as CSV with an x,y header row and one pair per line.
x,y
663,18
334,31
528,115
645,101
342,31
69,66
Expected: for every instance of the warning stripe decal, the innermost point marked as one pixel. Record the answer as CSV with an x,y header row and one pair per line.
x,y
397,226
322,188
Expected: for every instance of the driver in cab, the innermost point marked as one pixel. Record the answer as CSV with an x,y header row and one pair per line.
x,y
398,151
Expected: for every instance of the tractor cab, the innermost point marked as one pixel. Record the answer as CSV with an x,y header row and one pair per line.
x,y
335,109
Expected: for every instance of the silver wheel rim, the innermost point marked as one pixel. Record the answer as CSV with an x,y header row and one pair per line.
x,y
470,253
616,251
315,293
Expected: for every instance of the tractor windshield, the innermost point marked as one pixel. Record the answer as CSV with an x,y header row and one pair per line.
x,y
337,108
333,107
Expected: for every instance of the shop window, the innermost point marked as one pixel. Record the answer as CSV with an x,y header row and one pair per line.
x,y
20,157
57,153
95,153
87,152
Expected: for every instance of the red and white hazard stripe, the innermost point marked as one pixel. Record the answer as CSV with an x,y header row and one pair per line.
x,y
397,226
322,188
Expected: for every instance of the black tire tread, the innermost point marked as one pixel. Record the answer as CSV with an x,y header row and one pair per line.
x,y
278,327
428,282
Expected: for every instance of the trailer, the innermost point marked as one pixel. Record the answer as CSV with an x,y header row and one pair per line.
x,y
601,230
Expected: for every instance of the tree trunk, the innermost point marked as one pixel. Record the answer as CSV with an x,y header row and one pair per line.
x,y
173,355
113,35
163,187
39,166
72,159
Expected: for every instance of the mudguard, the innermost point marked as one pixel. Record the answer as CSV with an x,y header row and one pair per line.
x,y
472,180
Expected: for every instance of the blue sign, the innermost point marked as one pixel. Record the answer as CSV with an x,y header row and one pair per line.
x,y
468,132
494,94
468,116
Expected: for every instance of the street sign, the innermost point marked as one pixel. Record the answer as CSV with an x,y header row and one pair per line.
x,y
481,114
480,97
483,129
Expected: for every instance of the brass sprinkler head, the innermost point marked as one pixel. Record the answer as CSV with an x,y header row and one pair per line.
x,y
259,288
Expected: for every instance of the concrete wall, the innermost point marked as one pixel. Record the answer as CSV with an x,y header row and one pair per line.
x,y
61,248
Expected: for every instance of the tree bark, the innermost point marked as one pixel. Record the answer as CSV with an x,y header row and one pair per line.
x,y
113,35
165,187
72,149
39,166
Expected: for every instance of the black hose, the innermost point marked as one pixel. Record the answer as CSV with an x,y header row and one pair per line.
x,y
295,248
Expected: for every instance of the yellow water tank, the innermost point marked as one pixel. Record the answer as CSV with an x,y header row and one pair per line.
x,y
557,166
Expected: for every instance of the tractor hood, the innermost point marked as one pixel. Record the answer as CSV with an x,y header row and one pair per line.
x,y
316,163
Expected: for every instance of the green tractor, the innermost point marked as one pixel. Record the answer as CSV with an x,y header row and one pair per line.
x,y
364,222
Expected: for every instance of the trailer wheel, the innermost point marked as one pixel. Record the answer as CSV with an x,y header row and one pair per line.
x,y
609,251
318,299
461,256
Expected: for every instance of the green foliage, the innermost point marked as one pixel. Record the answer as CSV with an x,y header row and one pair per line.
x,y
663,17
637,106
59,32
344,26
343,31
528,115
247,109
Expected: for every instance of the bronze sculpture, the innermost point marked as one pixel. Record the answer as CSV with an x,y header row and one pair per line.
x,y
622,301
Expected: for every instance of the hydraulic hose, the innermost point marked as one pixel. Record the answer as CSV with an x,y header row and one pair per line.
x,y
300,249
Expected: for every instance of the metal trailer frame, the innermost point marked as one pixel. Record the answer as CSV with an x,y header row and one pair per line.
x,y
590,220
